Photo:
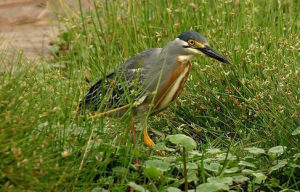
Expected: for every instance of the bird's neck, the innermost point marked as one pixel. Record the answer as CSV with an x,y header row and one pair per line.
x,y
185,58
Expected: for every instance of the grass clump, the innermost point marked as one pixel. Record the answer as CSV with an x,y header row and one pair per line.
x,y
243,118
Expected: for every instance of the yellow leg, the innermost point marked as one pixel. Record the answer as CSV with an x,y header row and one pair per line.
x,y
147,140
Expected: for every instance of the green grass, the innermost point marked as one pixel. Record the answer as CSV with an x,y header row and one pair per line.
x,y
253,103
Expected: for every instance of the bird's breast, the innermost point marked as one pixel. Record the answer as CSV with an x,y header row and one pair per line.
x,y
172,88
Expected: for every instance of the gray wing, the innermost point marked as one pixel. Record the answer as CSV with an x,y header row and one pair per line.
x,y
121,86
140,60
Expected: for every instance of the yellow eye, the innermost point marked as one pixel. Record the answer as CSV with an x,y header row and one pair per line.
x,y
191,42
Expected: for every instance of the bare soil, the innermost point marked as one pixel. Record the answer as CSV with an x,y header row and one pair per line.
x,y
29,25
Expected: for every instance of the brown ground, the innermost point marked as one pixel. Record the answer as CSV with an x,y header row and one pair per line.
x,y
29,25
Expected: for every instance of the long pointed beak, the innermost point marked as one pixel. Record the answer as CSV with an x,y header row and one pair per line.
x,y
210,52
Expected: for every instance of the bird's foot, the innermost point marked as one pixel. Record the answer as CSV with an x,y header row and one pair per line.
x,y
147,140
149,143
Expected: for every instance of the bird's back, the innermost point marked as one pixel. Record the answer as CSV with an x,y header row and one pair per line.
x,y
123,85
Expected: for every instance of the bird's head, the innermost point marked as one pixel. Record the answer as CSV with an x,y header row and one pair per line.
x,y
191,43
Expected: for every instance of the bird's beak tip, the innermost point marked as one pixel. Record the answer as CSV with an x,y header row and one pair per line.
x,y
227,62
207,50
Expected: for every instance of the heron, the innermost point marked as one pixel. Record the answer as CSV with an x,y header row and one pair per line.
x,y
150,81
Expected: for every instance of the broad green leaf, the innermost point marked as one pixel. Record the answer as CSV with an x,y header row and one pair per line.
x,y
208,160
152,172
214,167
249,158
296,131
183,140
195,154
162,147
278,150
226,156
259,177
231,170
240,179
173,189
212,187
213,150
281,163
247,164
158,164
192,176
255,150
224,180
137,187
191,165
247,172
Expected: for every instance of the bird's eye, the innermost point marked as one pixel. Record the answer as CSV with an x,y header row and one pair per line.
x,y
192,42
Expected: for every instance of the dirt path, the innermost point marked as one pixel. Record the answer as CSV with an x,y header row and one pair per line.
x,y
28,25
24,27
